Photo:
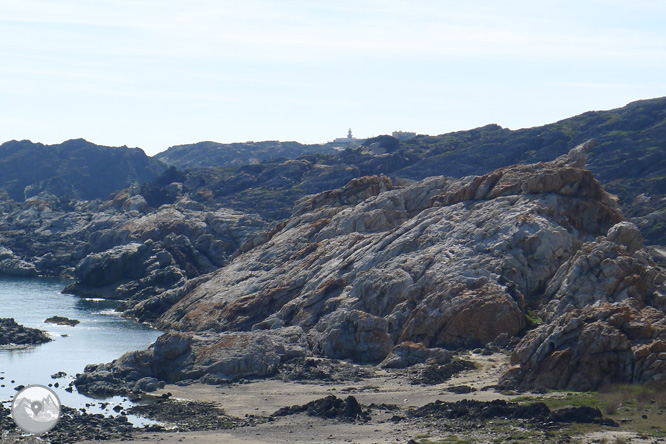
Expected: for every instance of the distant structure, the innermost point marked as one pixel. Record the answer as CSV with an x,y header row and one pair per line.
x,y
349,140
403,135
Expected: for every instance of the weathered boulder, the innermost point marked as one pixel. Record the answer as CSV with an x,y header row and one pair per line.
x,y
627,234
17,267
606,323
352,334
11,265
116,264
409,353
592,347
136,203
601,271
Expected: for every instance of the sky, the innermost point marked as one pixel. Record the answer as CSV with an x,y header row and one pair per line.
x,y
158,73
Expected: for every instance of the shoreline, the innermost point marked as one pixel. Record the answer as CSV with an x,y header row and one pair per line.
x,y
256,400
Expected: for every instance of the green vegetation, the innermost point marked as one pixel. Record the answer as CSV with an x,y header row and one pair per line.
x,y
532,319
636,408
638,411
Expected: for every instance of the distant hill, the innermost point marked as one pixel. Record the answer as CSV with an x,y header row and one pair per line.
x,y
629,159
75,168
213,154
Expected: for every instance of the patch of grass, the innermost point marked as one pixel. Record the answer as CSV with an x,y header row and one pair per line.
x,y
532,321
639,396
571,399
636,408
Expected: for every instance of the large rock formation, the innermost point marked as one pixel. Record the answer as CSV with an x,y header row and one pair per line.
x,y
13,334
605,320
121,248
371,270
147,255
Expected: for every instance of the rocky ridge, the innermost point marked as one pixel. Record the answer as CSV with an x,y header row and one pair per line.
x,y
76,169
204,154
121,248
358,272
628,159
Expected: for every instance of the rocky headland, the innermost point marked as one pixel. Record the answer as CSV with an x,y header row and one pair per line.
x,y
537,258
333,268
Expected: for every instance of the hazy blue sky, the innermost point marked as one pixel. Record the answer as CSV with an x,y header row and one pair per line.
x,y
156,73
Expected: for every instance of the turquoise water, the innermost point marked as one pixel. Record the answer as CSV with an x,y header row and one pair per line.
x,y
102,336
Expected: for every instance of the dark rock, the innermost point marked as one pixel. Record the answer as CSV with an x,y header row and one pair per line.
x,y
432,374
330,407
124,262
61,320
460,389
536,413
147,384
187,415
13,333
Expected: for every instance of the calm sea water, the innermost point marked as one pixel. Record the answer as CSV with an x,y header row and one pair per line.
x,y
102,336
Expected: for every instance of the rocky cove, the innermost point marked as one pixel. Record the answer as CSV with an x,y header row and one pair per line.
x,y
381,275
60,346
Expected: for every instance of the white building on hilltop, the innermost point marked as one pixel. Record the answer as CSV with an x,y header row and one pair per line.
x,y
350,139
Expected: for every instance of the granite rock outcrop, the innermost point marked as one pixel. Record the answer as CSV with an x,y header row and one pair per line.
x,y
375,272
120,248
605,321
